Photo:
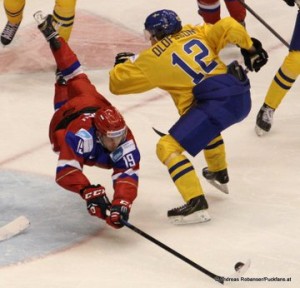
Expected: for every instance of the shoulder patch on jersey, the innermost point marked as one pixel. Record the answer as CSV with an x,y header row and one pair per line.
x,y
86,143
121,151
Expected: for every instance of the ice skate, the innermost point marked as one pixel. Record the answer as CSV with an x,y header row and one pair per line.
x,y
264,120
45,25
218,179
9,33
194,211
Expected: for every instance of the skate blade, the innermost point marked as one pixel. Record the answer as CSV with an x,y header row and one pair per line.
x,y
38,17
196,217
222,187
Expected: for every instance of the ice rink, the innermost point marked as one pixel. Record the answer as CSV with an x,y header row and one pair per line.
x,y
65,247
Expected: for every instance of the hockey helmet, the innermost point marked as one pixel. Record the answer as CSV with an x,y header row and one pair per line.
x,y
162,23
110,123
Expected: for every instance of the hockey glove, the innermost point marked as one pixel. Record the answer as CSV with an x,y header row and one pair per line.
x,y
255,60
290,2
119,210
122,57
96,200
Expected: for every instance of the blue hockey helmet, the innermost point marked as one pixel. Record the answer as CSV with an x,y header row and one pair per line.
x,y
162,23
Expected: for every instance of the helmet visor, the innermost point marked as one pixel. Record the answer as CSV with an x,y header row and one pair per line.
x,y
112,139
116,134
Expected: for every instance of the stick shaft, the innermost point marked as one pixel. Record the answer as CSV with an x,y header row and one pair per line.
x,y
175,253
264,23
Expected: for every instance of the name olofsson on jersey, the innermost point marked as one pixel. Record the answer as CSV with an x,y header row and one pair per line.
x,y
163,45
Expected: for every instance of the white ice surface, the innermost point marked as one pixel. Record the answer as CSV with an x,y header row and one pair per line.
x,y
259,219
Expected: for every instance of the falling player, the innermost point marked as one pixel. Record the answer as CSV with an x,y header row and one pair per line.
x,y
87,130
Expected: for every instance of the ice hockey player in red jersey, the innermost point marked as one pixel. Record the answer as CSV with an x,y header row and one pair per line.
x,y
87,130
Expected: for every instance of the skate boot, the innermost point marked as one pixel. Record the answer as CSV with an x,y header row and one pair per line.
x,y
9,33
194,211
218,179
45,24
264,120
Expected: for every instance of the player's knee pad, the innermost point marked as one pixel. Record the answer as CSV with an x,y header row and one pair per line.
x,y
167,146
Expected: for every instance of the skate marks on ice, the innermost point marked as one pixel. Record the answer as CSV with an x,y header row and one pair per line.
x,y
58,219
94,39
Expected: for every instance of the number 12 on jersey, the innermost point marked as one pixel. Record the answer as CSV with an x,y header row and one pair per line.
x,y
199,58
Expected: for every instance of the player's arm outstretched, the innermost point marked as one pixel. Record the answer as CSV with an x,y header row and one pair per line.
x,y
228,30
125,181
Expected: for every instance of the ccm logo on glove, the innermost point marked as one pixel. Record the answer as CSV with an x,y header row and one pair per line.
x,y
97,202
94,193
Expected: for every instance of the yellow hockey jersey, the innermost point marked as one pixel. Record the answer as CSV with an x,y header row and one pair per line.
x,y
180,61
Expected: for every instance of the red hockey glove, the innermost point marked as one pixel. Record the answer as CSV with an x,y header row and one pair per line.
x,y
119,210
254,61
122,57
96,200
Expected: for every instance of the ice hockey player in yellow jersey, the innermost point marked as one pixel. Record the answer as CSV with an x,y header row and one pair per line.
x,y
209,96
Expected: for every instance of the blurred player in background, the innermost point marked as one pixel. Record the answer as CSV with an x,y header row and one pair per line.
x,y
87,130
209,96
64,13
282,81
210,10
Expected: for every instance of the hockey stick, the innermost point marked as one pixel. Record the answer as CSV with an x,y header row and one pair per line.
x,y
161,134
240,267
13,228
264,23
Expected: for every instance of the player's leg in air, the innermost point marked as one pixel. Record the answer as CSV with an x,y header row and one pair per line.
x,y
71,73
